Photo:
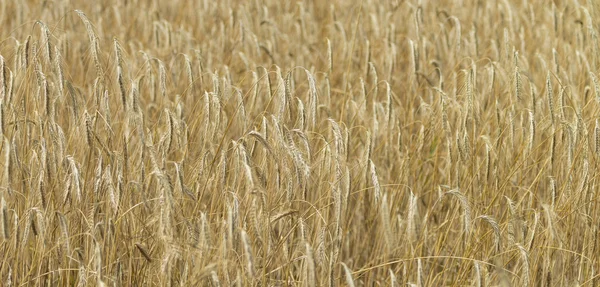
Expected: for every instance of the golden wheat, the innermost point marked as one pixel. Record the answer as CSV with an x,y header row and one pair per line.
x,y
310,143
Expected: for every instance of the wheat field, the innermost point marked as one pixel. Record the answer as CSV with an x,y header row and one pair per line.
x,y
299,143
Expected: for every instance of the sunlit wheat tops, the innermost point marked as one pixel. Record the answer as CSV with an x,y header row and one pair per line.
x,y
307,143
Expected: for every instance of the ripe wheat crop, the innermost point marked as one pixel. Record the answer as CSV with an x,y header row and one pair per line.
x,y
299,143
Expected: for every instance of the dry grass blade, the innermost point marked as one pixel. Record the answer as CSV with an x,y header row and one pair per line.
x,y
144,252
282,214
348,275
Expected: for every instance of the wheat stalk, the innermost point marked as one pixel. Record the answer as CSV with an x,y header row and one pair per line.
x,y
4,219
94,42
248,254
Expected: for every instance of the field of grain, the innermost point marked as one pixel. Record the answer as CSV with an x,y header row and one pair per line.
x,y
299,143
